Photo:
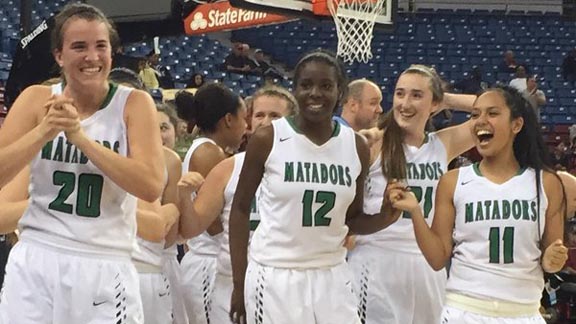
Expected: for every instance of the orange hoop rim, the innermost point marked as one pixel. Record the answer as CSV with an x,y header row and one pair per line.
x,y
328,7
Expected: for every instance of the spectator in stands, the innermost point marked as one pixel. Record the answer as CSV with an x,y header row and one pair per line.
x,y
570,266
473,84
535,96
569,67
508,64
148,75
560,159
572,130
162,73
237,62
196,81
520,81
261,67
572,154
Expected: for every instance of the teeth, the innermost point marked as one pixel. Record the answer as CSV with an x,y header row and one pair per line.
x,y
315,106
483,132
91,70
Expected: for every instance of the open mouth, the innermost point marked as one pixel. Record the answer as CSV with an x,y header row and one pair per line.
x,y
484,136
91,70
405,114
315,108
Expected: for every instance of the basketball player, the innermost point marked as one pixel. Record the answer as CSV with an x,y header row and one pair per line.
x,y
220,116
393,282
72,264
157,231
499,221
170,265
310,191
214,199
155,260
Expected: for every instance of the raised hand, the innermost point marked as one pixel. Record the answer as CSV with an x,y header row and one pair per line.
x,y
554,257
57,118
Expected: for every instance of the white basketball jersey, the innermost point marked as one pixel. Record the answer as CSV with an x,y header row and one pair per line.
x,y
424,167
203,244
496,235
224,265
306,190
73,205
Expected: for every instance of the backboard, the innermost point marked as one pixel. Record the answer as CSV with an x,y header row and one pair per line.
x,y
304,8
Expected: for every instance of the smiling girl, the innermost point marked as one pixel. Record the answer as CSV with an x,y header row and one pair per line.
x,y
311,193
72,264
500,222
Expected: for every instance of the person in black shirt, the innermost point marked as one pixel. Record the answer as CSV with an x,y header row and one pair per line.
x,y
569,67
236,61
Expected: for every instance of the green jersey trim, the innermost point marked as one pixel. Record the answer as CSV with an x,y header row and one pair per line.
x,y
111,92
476,168
292,123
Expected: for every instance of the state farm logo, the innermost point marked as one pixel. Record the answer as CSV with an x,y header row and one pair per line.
x,y
221,16
198,22
230,16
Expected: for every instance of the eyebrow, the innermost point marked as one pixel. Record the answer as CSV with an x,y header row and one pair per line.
x,y
410,90
102,41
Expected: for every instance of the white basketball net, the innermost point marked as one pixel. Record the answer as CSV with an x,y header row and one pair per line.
x,y
354,21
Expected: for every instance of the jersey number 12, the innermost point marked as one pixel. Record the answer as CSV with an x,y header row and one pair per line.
x,y
326,198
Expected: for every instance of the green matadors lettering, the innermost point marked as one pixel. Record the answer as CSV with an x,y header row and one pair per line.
x,y
63,151
421,171
501,209
311,172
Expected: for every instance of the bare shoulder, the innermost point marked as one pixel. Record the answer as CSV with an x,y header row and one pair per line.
x,y
265,133
209,151
33,98
552,183
259,147
448,180
261,141
139,100
171,158
568,180
205,157
224,168
26,112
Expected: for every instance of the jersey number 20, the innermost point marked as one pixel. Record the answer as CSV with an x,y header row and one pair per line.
x,y
326,198
88,197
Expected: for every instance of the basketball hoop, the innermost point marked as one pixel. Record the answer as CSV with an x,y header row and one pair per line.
x,y
354,20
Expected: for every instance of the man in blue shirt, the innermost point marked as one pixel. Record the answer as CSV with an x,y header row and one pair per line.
x,y
362,105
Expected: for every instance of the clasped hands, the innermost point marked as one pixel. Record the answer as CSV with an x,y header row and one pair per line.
x,y
60,116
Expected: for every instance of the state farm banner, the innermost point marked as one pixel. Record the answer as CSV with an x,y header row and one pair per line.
x,y
221,16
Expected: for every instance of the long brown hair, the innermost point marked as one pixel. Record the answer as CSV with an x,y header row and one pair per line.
x,y
393,157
